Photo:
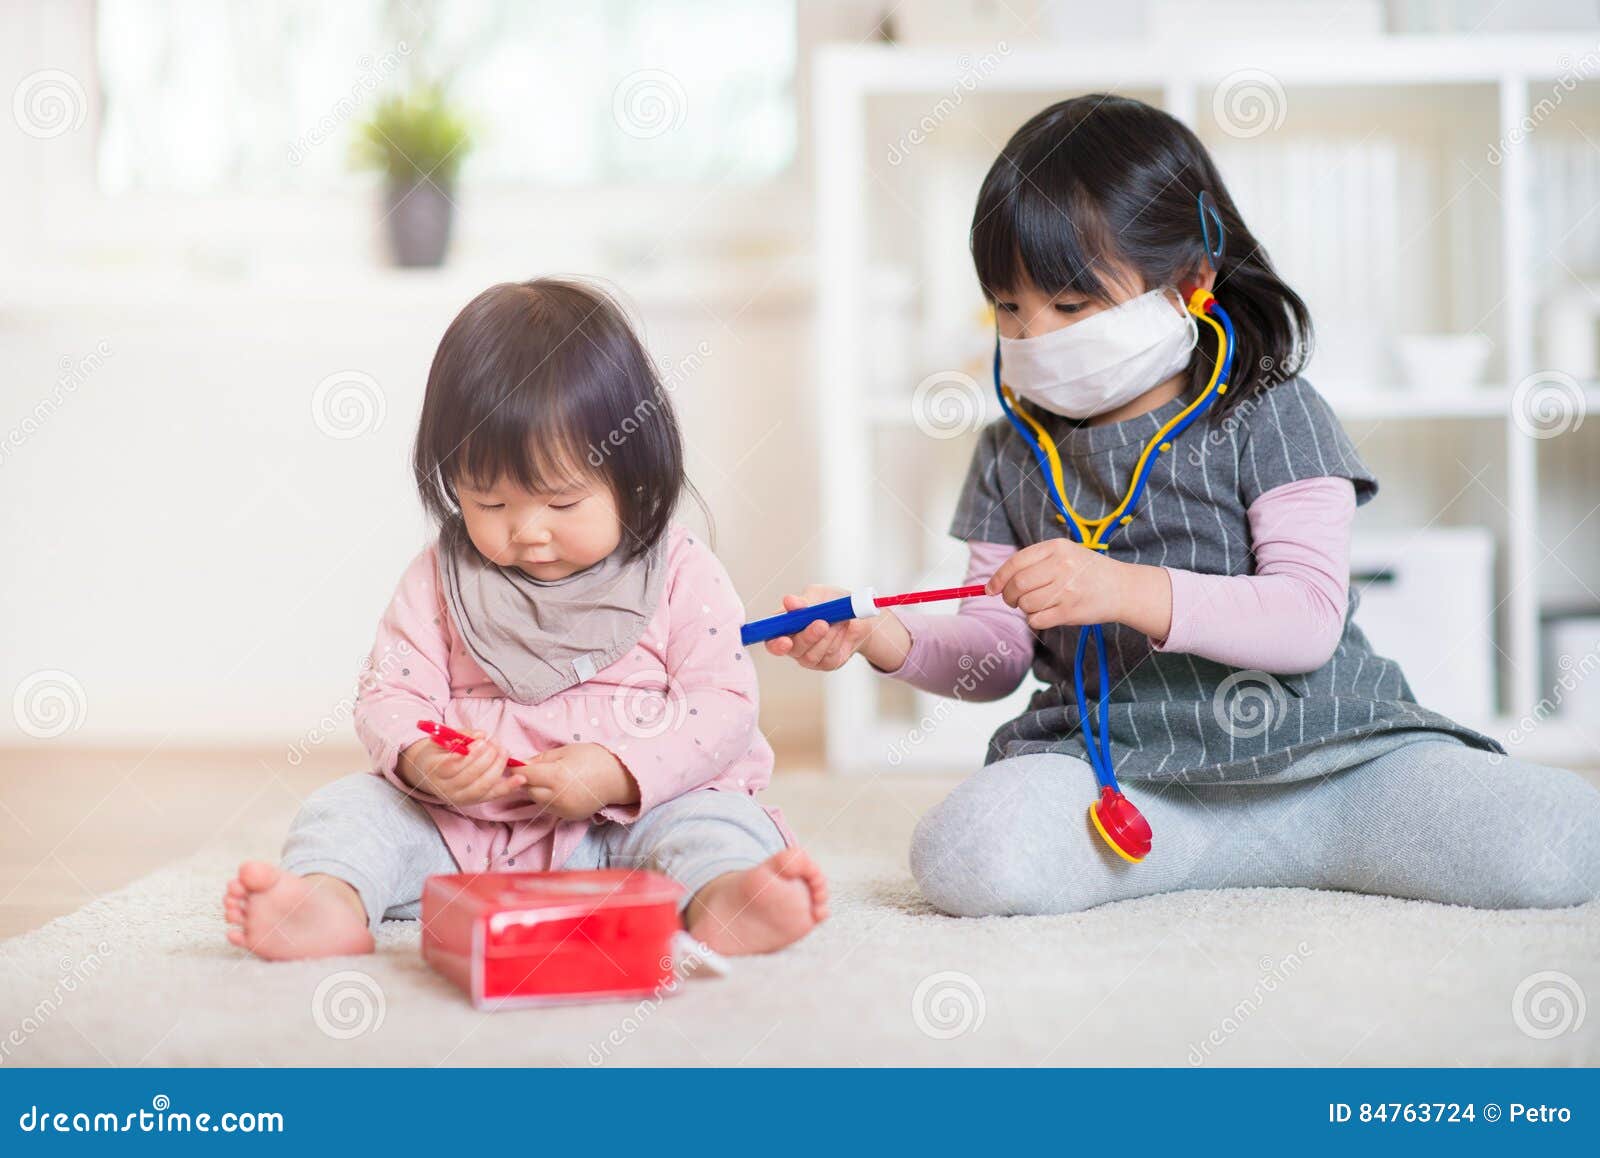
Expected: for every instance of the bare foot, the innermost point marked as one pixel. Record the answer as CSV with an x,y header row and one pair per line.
x,y
761,909
281,917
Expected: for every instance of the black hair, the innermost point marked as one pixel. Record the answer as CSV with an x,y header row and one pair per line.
x,y
544,383
1102,178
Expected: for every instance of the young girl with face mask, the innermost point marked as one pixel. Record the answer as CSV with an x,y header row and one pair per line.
x,y
1249,720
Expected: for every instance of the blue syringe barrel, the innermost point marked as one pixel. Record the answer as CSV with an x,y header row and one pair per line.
x,y
855,606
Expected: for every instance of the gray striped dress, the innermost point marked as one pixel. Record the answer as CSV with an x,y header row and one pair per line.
x,y
1177,716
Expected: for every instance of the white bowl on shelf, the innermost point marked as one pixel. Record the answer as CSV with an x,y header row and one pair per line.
x,y
1442,361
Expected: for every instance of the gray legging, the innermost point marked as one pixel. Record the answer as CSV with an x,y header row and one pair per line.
x,y
368,833
1432,821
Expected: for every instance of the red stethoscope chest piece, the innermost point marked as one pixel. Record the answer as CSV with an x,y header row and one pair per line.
x,y
1121,825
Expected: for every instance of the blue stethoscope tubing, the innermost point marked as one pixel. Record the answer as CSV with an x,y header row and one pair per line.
x,y
1097,728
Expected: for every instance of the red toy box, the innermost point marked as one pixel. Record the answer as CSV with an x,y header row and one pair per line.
x,y
512,939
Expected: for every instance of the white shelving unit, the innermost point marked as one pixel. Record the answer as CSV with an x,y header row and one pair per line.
x,y
1455,93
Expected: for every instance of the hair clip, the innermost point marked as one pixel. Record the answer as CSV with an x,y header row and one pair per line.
x,y
1209,217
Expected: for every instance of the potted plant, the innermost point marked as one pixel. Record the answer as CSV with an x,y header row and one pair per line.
x,y
418,140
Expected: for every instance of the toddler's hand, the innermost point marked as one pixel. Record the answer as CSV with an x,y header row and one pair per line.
x,y
1060,582
828,646
477,777
575,781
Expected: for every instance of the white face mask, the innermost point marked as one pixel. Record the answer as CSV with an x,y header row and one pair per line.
x,y
1105,360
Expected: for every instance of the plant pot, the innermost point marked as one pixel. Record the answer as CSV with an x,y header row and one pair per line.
x,y
417,216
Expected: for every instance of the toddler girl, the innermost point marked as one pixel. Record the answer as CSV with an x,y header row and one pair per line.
x,y
563,618
1263,739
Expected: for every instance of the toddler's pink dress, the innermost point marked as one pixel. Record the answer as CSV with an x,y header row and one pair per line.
x,y
679,710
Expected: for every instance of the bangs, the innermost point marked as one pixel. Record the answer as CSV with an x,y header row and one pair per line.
x,y
544,385
1042,215
1021,235
498,448
530,393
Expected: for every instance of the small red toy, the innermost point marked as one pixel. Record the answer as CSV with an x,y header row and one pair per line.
x,y
514,939
1121,825
458,742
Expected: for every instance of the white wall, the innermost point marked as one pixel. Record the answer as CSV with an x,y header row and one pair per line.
x,y
191,549
190,543
182,538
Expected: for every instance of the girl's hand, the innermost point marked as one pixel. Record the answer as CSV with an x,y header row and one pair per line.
x,y
575,781
882,638
1059,582
477,777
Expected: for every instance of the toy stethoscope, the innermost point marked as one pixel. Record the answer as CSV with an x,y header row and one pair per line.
x,y
1119,823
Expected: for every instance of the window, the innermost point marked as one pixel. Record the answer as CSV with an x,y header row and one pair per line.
x,y
230,95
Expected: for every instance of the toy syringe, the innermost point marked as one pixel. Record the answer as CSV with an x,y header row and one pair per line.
x,y
860,605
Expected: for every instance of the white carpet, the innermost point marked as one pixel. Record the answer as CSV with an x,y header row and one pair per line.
x,y
1236,977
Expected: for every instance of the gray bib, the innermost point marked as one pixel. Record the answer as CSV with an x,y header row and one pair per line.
x,y
535,638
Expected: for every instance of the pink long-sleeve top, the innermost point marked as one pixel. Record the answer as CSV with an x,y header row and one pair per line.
x,y
1285,618
679,709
